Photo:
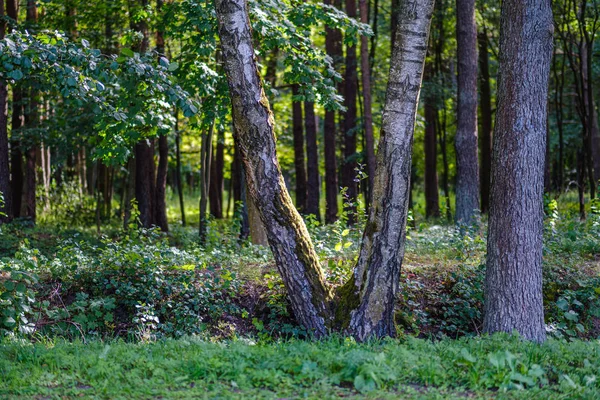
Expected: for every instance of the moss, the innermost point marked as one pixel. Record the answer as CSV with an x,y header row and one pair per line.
x,y
346,299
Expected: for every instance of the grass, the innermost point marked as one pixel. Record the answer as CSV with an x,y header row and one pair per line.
x,y
489,367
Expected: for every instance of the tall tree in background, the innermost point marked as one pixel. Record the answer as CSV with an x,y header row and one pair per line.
x,y
513,287
333,47
349,164
467,167
17,123
485,132
5,190
432,198
312,161
365,71
298,131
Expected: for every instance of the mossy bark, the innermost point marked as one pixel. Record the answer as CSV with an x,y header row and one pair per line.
x,y
288,238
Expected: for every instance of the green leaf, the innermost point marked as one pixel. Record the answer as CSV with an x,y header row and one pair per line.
x,y
173,66
21,288
127,52
9,285
16,74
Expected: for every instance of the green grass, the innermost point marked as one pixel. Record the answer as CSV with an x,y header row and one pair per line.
x,y
496,367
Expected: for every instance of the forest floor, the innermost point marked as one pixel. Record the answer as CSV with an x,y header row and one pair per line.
x,y
140,314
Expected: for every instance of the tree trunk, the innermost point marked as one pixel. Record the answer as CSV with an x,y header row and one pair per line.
x,y
334,50
368,114
160,203
513,287
312,161
485,104
349,163
16,155
377,274
5,189
258,233
432,199
290,243
205,161
467,167
178,162
145,181
300,168
216,179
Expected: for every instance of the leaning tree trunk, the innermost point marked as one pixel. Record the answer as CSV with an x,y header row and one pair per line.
x,y
467,170
513,287
377,273
289,240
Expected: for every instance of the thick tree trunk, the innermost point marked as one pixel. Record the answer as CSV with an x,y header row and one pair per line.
x,y
350,164
513,287
160,202
432,198
368,114
290,243
299,165
377,274
334,50
485,104
5,189
313,192
467,167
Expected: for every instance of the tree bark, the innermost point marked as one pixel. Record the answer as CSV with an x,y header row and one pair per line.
x,y
299,165
350,164
513,287
312,162
178,163
368,113
205,162
432,199
290,243
467,167
160,202
377,273
216,178
334,50
485,104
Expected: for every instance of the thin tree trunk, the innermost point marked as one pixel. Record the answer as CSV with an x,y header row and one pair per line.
x,y
377,273
581,184
467,167
160,203
485,104
350,164
299,165
432,200
334,50
16,155
178,162
5,189
216,179
513,286
290,243
145,181
313,192
205,155
368,114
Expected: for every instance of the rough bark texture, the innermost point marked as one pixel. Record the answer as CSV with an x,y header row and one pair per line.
x,y
467,167
377,273
334,50
290,243
299,165
312,161
349,163
485,133
5,189
513,288
367,114
432,197
16,155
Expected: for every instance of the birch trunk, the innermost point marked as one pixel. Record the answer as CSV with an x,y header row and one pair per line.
x,y
513,288
288,238
377,273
